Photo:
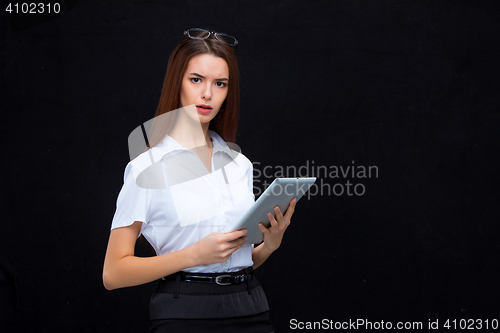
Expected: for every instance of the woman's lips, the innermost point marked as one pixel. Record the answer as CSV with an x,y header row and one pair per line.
x,y
203,108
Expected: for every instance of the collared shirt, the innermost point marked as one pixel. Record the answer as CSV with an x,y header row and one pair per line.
x,y
178,201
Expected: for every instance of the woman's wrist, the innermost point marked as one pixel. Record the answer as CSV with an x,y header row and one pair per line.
x,y
270,248
191,255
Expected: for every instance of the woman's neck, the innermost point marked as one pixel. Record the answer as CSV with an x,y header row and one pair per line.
x,y
190,133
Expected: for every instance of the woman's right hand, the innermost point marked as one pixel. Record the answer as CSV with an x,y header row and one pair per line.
x,y
218,247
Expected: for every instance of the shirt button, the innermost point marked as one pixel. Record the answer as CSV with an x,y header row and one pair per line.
x,y
226,264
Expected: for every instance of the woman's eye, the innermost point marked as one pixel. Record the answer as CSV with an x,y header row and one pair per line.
x,y
195,80
220,84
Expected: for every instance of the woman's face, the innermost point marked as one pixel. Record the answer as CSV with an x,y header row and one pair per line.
x,y
205,85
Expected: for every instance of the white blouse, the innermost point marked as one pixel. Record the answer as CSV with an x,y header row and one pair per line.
x,y
179,202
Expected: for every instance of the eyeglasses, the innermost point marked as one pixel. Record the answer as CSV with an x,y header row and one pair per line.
x,y
198,33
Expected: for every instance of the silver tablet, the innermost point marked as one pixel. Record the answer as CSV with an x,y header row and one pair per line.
x,y
279,193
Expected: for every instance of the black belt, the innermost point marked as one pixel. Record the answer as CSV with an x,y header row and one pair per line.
x,y
222,279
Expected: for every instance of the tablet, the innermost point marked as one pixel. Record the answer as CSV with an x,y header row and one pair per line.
x,y
279,193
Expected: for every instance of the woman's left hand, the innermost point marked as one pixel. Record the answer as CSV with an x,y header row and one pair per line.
x,y
274,233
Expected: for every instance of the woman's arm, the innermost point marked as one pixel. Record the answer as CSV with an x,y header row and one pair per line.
x,y
259,255
123,269
273,235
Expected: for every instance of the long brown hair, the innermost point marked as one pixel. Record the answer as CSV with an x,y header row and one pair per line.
x,y
226,121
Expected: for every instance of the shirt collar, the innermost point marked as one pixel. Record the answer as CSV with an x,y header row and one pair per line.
x,y
169,146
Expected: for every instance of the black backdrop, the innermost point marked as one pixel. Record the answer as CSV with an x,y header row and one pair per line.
x,y
408,87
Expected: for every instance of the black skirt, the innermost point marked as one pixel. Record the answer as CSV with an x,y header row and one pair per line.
x,y
209,307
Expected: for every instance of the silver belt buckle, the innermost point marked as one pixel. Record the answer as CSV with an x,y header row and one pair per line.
x,y
218,278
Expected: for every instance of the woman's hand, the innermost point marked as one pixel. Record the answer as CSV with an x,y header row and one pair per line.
x,y
274,234
218,247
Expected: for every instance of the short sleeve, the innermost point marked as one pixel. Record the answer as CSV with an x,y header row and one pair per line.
x,y
133,201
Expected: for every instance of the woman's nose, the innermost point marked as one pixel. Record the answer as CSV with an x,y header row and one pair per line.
x,y
207,93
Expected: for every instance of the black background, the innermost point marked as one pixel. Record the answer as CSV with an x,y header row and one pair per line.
x,y
411,87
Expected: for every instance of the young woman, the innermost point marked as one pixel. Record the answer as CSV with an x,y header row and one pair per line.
x,y
198,189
